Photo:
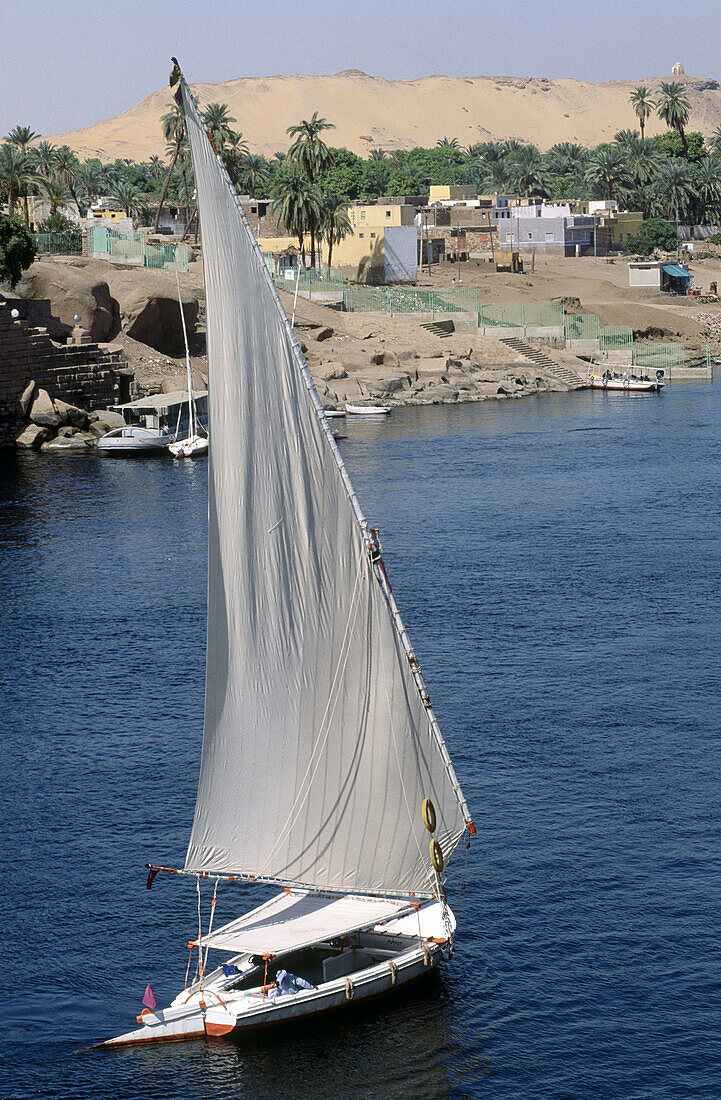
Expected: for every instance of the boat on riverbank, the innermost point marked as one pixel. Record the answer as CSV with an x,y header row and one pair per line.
x,y
154,422
323,770
368,410
626,380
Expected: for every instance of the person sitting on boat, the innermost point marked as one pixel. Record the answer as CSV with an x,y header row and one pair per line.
x,y
286,983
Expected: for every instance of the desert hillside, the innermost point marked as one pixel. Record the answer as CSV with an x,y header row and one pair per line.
x,y
371,112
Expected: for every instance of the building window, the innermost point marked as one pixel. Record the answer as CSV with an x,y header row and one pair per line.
x,y
372,236
361,235
388,213
530,236
363,215
549,236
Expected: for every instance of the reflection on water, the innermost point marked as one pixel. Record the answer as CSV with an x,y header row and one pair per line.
x,y
557,562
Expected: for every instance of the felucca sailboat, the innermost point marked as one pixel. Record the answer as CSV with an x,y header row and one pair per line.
x,y
323,770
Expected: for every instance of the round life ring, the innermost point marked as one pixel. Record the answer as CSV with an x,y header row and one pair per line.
x,y
436,856
429,815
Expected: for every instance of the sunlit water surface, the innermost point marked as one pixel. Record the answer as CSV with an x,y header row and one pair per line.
x,y
558,564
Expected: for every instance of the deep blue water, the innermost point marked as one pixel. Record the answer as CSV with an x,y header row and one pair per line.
x,y
558,564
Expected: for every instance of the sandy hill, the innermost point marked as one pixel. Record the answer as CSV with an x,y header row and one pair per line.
x,y
398,114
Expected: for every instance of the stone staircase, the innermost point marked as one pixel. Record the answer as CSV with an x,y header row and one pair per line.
x,y
440,328
560,371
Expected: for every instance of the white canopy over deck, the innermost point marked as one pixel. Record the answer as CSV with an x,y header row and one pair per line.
x,y
297,919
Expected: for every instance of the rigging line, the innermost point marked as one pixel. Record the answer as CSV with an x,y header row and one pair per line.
x,y
303,786
210,922
200,934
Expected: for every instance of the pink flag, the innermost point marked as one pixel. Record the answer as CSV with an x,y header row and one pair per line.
x,y
149,998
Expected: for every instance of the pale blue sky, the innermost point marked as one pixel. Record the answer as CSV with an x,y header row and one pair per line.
x,y
69,63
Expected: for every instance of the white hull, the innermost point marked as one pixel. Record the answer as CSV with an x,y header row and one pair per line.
x,y
135,439
192,447
217,1012
367,410
627,385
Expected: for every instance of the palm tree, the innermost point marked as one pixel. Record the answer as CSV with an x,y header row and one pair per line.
x,y
218,121
335,224
255,172
54,191
528,171
707,185
642,161
448,143
234,153
174,133
43,157
14,173
312,156
643,106
715,140
674,108
378,177
66,167
21,136
89,180
156,167
129,198
299,205
607,169
279,157
674,189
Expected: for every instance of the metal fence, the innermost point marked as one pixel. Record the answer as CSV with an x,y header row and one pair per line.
x,y
59,244
659,356
581,326
131,247
311,280
501,315
616,338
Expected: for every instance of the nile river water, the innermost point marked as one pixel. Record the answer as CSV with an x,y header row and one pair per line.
x,y
558,564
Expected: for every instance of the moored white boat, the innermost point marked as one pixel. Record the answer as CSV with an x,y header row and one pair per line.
x,y
155,421
192,447
368,410
626,380
194,444
323,770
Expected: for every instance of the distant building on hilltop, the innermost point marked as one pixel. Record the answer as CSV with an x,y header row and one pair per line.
x,y
678,70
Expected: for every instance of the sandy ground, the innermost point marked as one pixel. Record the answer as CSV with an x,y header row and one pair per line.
x,y
371,112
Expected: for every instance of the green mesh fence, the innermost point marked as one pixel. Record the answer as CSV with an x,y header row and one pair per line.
x,y
365,299
659,356
320,280
59,244
501,315
616,338
543,314
131,247
582,326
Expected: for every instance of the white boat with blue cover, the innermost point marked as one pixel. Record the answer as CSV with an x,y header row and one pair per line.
x,y
323,772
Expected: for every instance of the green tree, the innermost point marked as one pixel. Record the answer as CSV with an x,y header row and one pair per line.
x,y
54,191
312,156
15,172
643,106
298,204
653,234
17,249
255,172
674,108
607,170
346,175
129,197
707,180
335,224
66,168
527,171
673,189
218,121
174,133
671,145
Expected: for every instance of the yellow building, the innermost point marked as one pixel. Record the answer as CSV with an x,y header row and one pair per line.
x,y
373,215
451,193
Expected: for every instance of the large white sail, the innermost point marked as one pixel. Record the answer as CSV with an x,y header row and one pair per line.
x,y
318,748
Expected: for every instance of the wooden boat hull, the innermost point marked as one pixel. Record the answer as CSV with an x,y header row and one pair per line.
x,y
368,410
626,385
220,1017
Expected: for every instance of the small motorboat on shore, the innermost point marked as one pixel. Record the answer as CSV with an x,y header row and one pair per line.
x,y
332,414
154,422
367,410
627,381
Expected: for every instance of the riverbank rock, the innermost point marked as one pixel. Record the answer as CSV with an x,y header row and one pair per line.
x,y
32,438
26,399
73,288
43,412
70,414
78,441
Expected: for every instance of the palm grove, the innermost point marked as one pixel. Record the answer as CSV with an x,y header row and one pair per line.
x,y
673,177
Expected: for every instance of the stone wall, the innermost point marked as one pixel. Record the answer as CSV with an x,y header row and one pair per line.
x,y
85,375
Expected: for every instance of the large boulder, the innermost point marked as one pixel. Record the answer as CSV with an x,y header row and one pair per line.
x,y
26,399
74,288
79,441
32,438
70,414
112,419
43,411
149,311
